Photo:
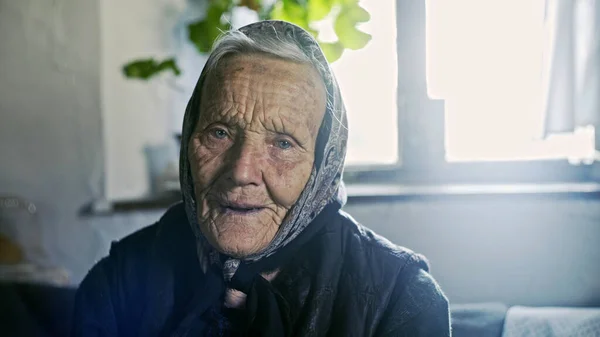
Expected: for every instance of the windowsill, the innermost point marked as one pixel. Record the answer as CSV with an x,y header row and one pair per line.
x,y
361,192
381,192
475,173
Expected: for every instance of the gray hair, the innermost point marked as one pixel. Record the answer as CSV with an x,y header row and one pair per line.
x,y
278,45
236,42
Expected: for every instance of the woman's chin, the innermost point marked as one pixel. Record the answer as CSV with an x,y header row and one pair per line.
x,y
239,244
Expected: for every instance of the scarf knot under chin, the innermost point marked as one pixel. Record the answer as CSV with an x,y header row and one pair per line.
x,y
266,312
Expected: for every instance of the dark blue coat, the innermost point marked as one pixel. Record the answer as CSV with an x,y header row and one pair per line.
x,y
346,281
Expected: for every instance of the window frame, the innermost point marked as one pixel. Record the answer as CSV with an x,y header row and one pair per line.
x,y
414,169
426,164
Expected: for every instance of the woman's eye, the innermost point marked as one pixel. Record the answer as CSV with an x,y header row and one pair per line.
x,y
219,133
284,144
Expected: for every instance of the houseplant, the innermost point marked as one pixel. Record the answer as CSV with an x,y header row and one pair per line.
x,y
345,15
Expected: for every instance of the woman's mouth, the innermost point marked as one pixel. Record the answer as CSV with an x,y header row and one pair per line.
x,y
239,209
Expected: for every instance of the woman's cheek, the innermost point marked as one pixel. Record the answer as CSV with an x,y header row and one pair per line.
x,y
286,181
202,158
289,156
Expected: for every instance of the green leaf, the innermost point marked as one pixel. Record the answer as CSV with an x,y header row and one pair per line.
x,y
203,33
291,11
332,50
295,10
355,13
144,69
223,4
254,5
353,38
277,12
345,27
170,64
301,3
319,9
347,2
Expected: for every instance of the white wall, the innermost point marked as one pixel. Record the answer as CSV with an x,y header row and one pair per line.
x,y
515,250
136,113
72,130
50,122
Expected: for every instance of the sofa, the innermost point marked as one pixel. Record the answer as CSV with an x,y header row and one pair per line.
x,y
29,309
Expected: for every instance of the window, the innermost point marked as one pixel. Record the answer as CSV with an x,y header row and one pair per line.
x,y
368,81
489,73
486,60
488,115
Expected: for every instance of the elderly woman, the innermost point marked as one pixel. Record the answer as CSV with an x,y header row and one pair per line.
x,y
259,246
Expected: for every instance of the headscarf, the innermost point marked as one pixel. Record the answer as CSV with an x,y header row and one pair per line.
x,y
324,186
325,182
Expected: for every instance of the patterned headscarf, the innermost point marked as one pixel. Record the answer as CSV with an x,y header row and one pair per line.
x,y
325,182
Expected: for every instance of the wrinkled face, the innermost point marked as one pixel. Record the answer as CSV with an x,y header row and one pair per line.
x,y
253,148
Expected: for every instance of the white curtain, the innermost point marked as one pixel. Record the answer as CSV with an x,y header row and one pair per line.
x,y
572,65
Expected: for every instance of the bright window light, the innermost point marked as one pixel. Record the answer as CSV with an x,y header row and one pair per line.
x,y
485,59
368,78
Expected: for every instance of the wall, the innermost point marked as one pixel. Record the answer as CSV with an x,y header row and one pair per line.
x,y
523,251
50,120
73,130
532,252
142,115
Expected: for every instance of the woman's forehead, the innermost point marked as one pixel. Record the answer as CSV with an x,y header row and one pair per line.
x,y
259,89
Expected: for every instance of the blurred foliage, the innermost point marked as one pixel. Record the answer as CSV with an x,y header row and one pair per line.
x,y
144,69
346,15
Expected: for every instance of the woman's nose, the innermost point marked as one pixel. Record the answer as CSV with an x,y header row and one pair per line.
x,y
246,165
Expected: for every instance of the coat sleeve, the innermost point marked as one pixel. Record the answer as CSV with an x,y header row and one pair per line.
x,y
94,314
418,308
